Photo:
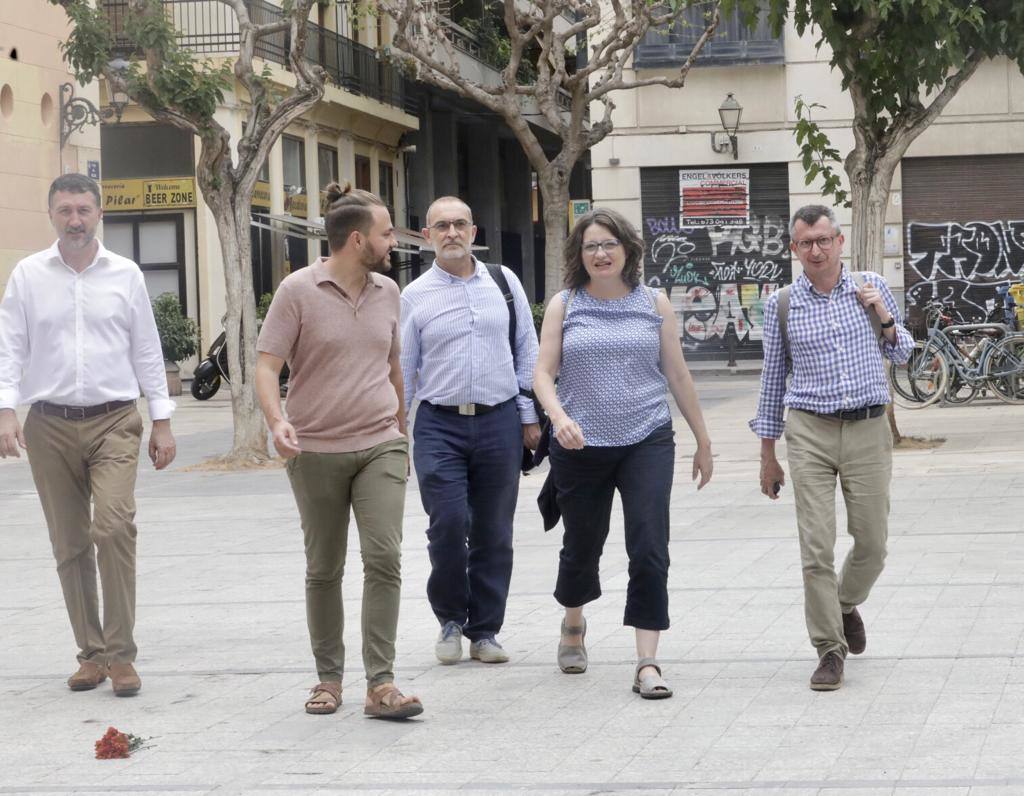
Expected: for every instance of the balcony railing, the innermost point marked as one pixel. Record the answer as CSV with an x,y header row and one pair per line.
x,y
464,41
210,28
734,42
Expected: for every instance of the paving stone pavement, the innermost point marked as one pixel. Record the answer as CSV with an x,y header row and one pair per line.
x,y
935,705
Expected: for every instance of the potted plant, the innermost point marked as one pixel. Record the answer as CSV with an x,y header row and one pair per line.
x,y
178,337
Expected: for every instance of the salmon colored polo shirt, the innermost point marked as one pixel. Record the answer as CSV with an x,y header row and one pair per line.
x,y
337,348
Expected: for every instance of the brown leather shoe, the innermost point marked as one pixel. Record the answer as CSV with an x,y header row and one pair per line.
x,y
829,674
88,676
124,679
853,629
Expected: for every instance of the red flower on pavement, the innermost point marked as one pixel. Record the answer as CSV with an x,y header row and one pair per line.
x,y
115,744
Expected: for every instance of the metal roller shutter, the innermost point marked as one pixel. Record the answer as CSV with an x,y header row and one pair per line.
x,y
963,223
720,247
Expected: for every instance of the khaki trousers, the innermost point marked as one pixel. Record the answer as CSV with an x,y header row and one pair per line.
x,y
328,487
860,453
75,463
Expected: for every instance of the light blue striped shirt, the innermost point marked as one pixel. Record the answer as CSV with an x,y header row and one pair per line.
x,y
455,341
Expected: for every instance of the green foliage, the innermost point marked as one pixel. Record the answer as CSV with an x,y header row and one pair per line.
x,y
182,84
538,315
263,307
87,49
892,49
178,334
817,153
495,46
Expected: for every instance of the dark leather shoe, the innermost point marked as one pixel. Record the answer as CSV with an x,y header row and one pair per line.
x,y
853,629
829,674
124,679
88,676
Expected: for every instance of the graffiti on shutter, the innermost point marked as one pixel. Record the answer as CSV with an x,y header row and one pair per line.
x,y
719,275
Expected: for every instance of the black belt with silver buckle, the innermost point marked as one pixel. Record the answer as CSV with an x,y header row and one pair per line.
x,y
78,412
470,410
863,413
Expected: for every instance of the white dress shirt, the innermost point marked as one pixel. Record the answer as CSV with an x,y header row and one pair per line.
x,y
80,339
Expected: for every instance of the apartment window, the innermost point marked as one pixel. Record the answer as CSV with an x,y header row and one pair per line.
x,y
387,186
294,155
734,43
327,165
363,173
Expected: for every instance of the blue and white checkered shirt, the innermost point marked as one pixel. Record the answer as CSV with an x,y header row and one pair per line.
x,y
455,341
837,362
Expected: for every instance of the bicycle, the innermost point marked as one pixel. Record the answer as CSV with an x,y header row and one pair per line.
x,y
939,368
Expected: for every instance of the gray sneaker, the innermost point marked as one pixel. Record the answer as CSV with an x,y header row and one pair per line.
x,y
448,648
488,650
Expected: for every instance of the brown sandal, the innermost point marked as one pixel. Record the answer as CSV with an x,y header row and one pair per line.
x,y
324,698
387,702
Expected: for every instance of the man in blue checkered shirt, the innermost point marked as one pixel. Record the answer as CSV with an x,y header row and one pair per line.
x,y
836,426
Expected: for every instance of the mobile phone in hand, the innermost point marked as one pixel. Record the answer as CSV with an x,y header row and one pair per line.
x,y
776,487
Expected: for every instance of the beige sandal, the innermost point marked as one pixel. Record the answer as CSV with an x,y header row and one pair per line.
x,y
650,686
324,698
387,702
572,658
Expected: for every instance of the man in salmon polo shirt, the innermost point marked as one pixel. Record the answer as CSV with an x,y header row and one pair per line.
x,y
336,325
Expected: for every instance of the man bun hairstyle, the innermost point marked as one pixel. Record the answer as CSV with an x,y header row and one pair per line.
x,y
348,210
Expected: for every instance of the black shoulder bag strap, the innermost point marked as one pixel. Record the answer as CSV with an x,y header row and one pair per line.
x,y
498,275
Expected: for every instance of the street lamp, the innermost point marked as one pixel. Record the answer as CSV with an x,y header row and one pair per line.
x,y
729,112
78,112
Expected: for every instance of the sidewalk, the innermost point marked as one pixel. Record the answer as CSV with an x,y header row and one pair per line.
x,y
935,705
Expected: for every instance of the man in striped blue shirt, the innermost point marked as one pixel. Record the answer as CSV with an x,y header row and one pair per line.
x,y
471,425
836,426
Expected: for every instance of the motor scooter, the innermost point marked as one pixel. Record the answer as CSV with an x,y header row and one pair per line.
x,y
211,371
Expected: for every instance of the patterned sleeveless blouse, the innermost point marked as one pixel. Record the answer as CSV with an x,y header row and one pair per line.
x,y
610,381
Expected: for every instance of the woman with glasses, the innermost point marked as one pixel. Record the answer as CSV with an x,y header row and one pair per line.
x,y
613,346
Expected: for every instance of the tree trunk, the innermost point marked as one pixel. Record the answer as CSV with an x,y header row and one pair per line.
x,y
870,182
554,188
250,435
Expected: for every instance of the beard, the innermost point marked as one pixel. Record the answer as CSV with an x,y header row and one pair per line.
x,y
78,238
378,265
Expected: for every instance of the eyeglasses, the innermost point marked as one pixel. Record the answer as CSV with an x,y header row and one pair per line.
x,y
824,244
460,224
607,246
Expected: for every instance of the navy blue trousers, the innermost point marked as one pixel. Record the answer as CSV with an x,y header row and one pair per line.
x,y
468,471
585,483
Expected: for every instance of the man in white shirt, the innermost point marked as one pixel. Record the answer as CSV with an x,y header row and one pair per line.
x,y
77,341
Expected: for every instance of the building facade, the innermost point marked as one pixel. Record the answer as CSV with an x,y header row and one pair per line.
x,y
715,225
35,86
154,211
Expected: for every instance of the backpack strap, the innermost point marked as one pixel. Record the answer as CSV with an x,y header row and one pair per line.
x,y
782,309
861,278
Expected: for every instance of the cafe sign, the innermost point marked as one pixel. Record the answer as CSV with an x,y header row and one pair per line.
x,y
172,193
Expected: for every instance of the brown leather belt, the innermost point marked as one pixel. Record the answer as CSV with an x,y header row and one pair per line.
x,y
78,412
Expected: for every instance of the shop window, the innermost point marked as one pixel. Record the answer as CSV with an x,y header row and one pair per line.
x,y
157,244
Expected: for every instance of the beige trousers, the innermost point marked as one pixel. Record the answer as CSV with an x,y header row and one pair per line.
x,y
860,453
84,471
328,488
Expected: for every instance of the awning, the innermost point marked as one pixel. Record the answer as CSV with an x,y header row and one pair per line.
x,y
409,241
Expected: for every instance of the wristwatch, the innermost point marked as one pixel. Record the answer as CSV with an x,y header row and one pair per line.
x,y
889,323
